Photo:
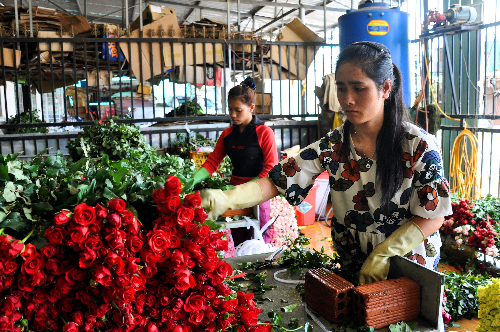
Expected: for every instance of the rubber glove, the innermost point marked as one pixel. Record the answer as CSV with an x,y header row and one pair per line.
x,y
216,201
198,176
402,241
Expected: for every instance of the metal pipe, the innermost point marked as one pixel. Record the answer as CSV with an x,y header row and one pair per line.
x,y
239,20
16,14
324,17
31,18
85,8
228,20
140,16
126,13
302,12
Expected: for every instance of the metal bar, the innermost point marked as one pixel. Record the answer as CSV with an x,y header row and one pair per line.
x,y
64,84
450,72
162,64
172,59
52,82
86,81
324,18
281,83
16,16
5,83
75,107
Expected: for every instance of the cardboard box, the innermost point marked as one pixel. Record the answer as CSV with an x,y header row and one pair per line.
x,y
81,93
265,72
168,22
151,14
103,81
296,31
8,57
214,75
55,47
263,104
78,23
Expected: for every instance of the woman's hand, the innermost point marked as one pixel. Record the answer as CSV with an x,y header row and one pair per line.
x,y
404,239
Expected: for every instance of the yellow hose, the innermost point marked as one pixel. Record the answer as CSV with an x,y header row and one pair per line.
x,y
463,170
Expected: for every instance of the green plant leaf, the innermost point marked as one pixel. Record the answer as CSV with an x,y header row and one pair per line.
x,y
14,221
42,207
289,308
4,172
109,194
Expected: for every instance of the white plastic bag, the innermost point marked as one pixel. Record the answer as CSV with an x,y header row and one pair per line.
x,y
255,246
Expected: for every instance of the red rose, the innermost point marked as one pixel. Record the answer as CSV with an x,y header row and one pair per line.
x,y
177,260
15,247
40,296
33,264
101,211
169,205
49,250
28,251
200,232
183,280
159,195
245,299
134,243
229,304
222,270
133,228
103,276
114,220
192,200
194,302
117,204
151,327
158,241
208,291
173,186
127,217
9,267
84,214
77,317
149,257
78,234
62,217
126,295
74,275
92,242
184,215
54,266
70,327
102,309
55,235
200,215
115,240
249,318
196,317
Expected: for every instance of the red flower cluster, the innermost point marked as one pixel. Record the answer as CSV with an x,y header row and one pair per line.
x,y
100,271
461,216
483,236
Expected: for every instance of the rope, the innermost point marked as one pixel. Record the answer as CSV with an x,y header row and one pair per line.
x,y
463,170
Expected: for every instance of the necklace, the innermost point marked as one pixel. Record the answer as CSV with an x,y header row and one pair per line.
x,y
361,146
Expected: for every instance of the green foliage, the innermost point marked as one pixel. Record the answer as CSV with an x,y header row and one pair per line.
x,y
403,327
116,141
487,205
461,294
193,109
214,182
297,257
24,118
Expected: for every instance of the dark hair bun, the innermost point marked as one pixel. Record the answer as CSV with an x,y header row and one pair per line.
x,y
249,82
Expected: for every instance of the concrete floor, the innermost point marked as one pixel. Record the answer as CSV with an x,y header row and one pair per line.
x,y
319,233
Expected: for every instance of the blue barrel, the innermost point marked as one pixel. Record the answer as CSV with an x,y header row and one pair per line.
x,y
379,23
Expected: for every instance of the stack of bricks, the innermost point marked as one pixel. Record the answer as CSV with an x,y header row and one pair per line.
x,y
376,305
386,302
328,294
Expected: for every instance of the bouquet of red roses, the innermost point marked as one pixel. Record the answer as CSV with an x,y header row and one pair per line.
x,y
101,272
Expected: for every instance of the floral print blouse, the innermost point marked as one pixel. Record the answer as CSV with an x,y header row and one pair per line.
x,y
359,224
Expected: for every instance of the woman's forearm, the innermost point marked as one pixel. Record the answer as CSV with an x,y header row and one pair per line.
x,y
269,190
428,226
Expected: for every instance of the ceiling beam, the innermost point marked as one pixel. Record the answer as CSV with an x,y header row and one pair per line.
x,y
79,7
191,11
289,5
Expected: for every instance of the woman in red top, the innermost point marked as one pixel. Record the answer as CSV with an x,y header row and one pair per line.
x,y
249,143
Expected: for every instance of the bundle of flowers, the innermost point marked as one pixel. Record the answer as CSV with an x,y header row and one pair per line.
x,y
489,307
101,272
464,229
285,224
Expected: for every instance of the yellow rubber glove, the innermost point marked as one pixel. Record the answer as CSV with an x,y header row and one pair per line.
x,y
216,202
402,241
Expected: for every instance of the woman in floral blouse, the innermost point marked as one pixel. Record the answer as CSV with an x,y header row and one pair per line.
x,y
389,195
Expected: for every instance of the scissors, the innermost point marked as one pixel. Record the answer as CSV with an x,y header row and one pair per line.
x,y
269,260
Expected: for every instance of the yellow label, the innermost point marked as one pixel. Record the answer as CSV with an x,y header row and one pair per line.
x,y
378,28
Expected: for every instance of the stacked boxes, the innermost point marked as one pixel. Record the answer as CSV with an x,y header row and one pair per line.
x,y
329,294
376,305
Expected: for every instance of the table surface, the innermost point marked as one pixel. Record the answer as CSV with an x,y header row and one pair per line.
x,y
285,294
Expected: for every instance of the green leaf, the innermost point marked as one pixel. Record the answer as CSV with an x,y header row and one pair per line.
x,y
14,221
52,172
119,175
308,327
289,308
4,172
42,207
109,194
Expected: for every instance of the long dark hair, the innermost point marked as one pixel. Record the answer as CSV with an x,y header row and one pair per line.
x,y
375,61
245,91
